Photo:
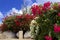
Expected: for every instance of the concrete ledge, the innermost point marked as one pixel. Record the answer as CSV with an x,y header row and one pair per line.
x,y
16,39
20,37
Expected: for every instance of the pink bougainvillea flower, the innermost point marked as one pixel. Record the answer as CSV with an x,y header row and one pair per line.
x,y
17,22
28,16
36,10
59,14
48,37
58,4
56,28
18,17
44,9
47,4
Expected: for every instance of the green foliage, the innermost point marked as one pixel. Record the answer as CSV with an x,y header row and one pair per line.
x,y
46,22
17,22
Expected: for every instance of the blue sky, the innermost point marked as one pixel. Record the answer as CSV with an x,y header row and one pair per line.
x,y
6,6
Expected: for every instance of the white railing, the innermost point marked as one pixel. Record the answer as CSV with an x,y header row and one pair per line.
x,y
20,37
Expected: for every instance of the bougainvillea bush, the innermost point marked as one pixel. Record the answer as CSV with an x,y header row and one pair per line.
x,y
48,21
17,22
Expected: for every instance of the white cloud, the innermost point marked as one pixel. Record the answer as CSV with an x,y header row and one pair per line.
x,y
20,12
28,2
43,1
14,10
54,1
0,22
1,15
34,4
40,1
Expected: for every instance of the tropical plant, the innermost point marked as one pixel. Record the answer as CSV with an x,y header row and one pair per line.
x,y
17,22
48,21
